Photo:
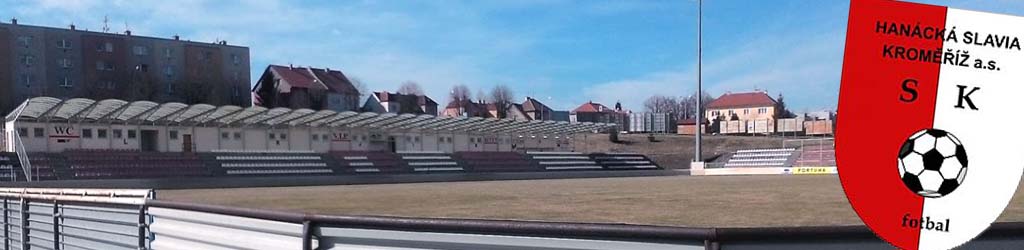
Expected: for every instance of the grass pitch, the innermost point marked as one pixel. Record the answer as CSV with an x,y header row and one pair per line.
x,y
700,201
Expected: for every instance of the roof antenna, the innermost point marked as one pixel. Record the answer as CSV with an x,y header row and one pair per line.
x,y
106,26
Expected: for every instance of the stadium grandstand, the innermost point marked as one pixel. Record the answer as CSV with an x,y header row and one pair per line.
x,y
55,139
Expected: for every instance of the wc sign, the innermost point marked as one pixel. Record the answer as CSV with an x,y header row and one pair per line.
x,y
63,133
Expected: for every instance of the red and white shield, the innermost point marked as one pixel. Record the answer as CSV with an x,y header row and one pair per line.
x,y
927,140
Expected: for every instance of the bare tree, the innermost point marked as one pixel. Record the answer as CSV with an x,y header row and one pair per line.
x,y
502,97
481,96
410,88
360,86
688,105
661,104
459,93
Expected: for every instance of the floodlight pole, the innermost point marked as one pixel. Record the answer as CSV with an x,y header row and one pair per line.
x,y
700,97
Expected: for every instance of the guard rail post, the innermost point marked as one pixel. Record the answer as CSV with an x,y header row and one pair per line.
x,y
23,215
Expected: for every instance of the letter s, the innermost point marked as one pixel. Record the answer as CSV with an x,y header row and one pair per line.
x,y
909,88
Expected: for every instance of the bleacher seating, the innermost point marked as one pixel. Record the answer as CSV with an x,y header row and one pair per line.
x,y
496,162
9,167
271,163
116,164
776,157
361,162
558,161
817,155
44,165
426,162
623,161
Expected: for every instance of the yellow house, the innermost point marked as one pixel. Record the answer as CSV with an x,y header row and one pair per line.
x,y
750,106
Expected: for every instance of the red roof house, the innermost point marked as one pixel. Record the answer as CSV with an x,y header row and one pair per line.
x,y
305,87
742,106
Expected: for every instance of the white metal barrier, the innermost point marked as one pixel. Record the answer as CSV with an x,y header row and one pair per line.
x,y
131,219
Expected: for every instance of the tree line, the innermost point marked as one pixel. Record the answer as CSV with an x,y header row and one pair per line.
x,y
682,107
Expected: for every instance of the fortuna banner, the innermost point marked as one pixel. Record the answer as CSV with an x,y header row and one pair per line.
x,y
927,142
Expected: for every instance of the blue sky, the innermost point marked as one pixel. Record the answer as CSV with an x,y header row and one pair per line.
x,y
562,52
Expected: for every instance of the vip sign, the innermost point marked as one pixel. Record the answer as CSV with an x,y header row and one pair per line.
x,y
945,83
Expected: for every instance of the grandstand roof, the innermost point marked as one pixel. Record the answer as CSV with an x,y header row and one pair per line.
x,y
80,110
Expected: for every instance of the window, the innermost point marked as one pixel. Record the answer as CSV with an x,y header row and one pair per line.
x,y
27,60
27,80
168,52
140,50
284,136
169,71
64,63
173,134
234,76
235,91
236,59
86,133
23,132
105,47
64,44
101,133
104,66
170,87
273,136
131,134
107,84
224,135
38,132
746,111
316,137
25,40
237,135
65,82
416,139
117,134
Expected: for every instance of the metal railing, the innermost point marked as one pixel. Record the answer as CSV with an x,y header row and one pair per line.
x,y
131,219
23,160
74,219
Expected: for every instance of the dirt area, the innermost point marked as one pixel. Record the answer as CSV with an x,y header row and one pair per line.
x,y
676,151
724,201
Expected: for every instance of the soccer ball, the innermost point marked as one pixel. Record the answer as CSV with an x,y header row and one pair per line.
x,y
932,163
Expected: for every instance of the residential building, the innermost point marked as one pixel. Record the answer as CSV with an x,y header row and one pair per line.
x,y
513,111
305,87
70,62
529,110
749,106
537,110
596,112
689,127
384,102
466,108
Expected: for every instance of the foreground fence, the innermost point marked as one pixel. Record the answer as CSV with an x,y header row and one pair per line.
x,y
132,219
